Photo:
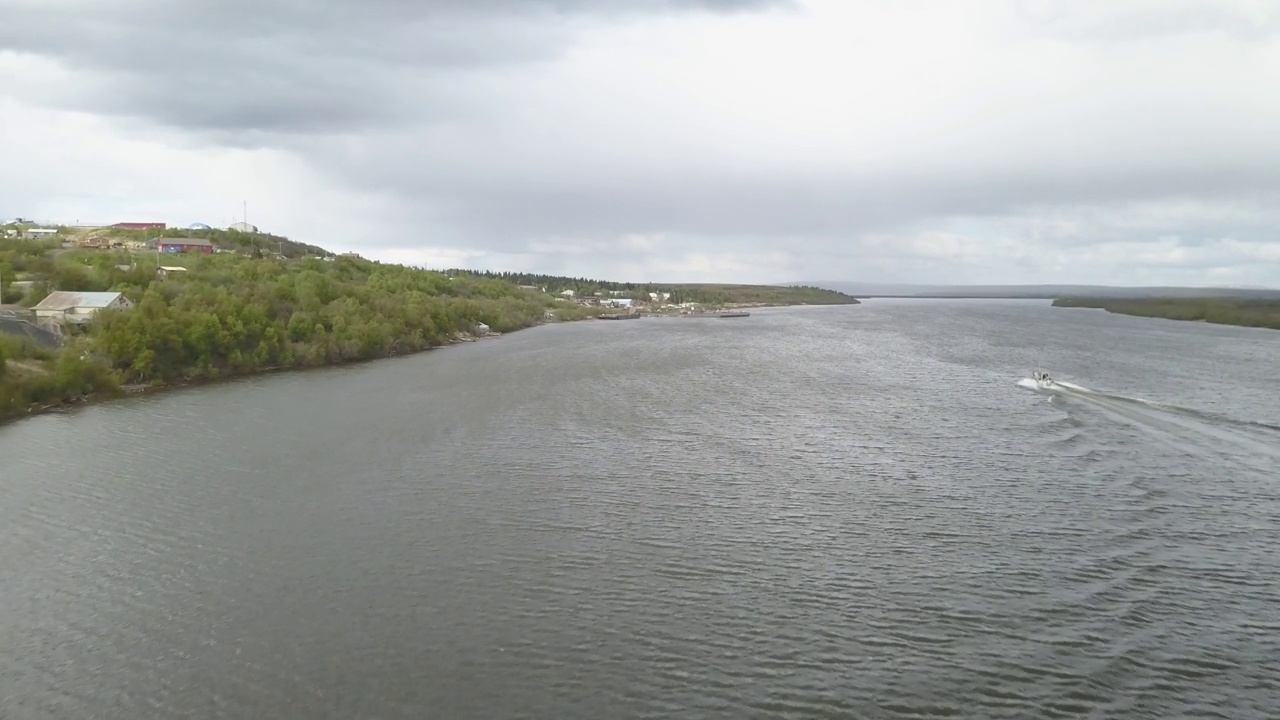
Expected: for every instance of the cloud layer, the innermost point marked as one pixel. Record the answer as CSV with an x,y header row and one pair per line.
x,y
992,141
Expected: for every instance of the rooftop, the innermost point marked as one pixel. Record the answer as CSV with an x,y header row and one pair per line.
x,y
66,299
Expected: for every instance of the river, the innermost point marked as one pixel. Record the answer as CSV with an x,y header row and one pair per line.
x,y
810,512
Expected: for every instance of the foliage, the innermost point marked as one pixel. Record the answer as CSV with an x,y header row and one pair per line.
x,y
245,243
34,376
19,259
1262,313
239,312
234,315
231,314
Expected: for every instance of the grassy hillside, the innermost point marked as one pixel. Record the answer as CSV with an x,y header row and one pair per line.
x,y
1225,311
259,244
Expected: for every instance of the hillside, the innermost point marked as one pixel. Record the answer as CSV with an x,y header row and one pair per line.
x,y
1263,313
266,302
258,244
232,314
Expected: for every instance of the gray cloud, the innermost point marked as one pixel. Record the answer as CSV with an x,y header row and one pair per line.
x,y
1023,137
291,66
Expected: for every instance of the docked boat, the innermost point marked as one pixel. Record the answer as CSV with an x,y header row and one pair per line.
x,y
733,314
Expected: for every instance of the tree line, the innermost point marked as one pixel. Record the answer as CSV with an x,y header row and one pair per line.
x,y
231,315
1245,312
703,293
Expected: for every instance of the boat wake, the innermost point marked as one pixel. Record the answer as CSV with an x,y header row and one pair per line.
x,y
1182,427
1069,389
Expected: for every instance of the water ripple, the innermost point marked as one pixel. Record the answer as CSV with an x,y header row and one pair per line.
x,y
819,512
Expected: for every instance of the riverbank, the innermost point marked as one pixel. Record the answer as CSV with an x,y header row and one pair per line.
x,y
132,324
1240,312
165,386
229,315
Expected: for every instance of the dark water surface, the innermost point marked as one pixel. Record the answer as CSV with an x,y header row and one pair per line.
x,y
811,512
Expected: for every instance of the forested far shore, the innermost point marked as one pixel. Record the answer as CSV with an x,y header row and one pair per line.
x,y
703,293
1244,312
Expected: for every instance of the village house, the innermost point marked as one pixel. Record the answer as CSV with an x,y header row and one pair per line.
x,y
165,271
97,241
76,308
183,244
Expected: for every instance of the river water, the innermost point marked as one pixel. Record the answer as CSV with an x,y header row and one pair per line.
x,y
810,512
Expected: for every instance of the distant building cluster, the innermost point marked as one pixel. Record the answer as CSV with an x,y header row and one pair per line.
x,y
27,228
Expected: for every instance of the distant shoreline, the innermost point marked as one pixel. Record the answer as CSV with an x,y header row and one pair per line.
x,y
1237,312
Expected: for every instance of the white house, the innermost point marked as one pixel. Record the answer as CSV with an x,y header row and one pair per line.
x,y
77,307
567,293
41,232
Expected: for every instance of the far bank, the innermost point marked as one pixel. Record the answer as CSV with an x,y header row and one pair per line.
x,y
1241,312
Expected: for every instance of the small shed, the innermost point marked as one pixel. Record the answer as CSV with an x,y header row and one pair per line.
x,y
165,271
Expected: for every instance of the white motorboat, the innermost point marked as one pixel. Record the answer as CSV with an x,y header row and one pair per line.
x,y
1043,381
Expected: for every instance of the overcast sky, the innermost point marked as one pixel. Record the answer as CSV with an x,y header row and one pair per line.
x,y
985,141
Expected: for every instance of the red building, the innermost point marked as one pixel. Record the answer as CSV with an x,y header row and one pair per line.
x,y
140,226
